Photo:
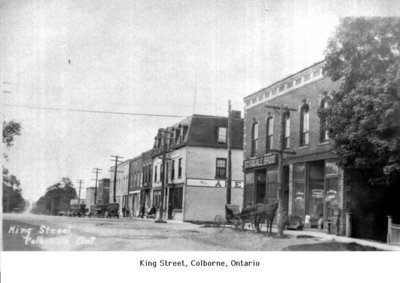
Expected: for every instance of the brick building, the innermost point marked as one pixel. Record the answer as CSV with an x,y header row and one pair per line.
x,y
316,189
121,185
197,167
135,184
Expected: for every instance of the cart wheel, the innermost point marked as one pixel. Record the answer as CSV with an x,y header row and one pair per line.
x,y
237,223
219,223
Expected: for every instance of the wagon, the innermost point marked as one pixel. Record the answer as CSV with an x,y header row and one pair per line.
x,y
113,210
77,210
233,217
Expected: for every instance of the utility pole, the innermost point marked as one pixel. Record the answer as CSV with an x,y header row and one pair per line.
x,y
164,138
229,145
282,213
96,171
79,195
115,175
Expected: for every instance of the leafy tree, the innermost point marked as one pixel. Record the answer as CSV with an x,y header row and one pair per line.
x,y
10,130
57,198
363,115
12,192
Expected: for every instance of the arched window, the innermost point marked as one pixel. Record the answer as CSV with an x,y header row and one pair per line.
x,y
323,129
286,130
270,134
254,139
304,125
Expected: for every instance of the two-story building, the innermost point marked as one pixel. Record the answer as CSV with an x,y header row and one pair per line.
x,y
121,184
314,186
135,184
196,166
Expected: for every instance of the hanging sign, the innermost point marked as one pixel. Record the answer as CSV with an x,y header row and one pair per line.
x,y
261,161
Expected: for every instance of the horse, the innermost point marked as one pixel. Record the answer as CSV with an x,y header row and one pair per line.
x,y
263,211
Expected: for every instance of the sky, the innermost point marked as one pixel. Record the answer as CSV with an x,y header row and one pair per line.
x,y
172,58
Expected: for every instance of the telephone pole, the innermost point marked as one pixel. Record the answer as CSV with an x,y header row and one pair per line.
x,y
282,213
115,175
79,195
229,145
96,171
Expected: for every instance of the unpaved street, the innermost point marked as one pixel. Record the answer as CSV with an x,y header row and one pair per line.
x,y
58,233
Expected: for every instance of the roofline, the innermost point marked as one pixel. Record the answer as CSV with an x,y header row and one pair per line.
x,y
285,78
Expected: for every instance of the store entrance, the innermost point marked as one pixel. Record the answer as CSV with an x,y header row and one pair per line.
x,y
261,186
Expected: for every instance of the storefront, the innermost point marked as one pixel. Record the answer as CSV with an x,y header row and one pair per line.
x,y
261,180
315,191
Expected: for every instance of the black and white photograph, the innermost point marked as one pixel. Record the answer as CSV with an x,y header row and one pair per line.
x,y
211,137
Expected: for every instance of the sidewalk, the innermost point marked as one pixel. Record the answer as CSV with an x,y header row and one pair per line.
x,y
343,239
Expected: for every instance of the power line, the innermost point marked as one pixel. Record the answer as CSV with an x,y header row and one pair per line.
x,y
93,111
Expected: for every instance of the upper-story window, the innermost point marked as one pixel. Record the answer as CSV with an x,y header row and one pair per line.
x,y
172,169
180,168
220,171
155,174
254,139
221,134
286,130
270,134
323,134
304,125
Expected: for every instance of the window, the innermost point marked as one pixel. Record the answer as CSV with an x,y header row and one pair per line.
x,y
221,135
155,174
286,130
270,134
157,198
180,168
304,125
298,189
323,125
254,139
221,168
173,170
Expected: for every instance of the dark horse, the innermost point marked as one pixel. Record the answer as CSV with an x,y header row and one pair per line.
x,y
265,212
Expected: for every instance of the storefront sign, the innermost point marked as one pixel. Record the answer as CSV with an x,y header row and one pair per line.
x,y
213,183
262,161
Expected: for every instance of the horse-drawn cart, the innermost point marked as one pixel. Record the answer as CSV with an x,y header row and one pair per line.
x,y
252,215
233,217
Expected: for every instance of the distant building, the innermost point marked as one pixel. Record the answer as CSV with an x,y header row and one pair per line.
x,y
121,186
196,167
103,191
135,184
145,189
90,197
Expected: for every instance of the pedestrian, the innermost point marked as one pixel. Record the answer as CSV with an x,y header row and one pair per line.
x,y
142,210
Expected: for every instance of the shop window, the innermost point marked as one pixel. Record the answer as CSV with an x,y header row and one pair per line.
x,y
254,139
316,192
331,188
221,134
299,190
304,125
157,198
272,186
220,172
286,130
270,134
176,196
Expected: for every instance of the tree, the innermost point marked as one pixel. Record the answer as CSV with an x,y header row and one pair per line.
x,y
363,115
57,198
12,192
10,130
